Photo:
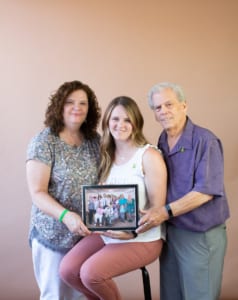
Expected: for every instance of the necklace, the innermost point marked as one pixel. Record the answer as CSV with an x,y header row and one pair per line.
x,y
122,158
72,140
125,156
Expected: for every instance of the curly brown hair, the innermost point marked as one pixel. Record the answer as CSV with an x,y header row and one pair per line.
x,y
54,113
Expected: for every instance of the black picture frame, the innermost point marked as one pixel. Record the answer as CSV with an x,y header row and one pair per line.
x,y
110,207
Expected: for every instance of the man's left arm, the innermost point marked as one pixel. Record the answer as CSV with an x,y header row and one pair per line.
x,y
189,202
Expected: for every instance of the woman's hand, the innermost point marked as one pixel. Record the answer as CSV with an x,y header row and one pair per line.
x,y
75,224
114,234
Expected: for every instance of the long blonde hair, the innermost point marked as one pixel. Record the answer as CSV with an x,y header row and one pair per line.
x,y
107,142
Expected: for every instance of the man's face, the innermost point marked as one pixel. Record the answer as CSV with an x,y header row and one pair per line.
x,y
169,112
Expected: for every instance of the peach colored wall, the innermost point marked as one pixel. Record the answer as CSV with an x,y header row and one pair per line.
x,y
117,47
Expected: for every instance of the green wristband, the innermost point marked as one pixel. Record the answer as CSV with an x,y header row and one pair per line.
x,y
64,212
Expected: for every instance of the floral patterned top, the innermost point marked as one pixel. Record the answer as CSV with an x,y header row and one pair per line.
x,y
71,167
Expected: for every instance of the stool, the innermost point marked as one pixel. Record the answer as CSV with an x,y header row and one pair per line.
x,y
146,283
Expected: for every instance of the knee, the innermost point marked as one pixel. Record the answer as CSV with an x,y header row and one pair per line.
x,y
66,272
89,275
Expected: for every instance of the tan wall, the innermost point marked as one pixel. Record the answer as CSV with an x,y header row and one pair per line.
x,y
117,47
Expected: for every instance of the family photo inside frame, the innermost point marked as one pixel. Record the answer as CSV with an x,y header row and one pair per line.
x,y
110,207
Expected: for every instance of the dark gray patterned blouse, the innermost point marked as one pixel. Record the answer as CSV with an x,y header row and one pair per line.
x,y
71,167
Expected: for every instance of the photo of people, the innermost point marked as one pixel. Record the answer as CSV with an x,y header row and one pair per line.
x,y
110,207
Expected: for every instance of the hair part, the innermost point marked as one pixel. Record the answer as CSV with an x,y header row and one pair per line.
x,y
159,87
54,112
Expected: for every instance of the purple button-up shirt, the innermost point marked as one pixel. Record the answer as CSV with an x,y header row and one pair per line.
x,y
196,164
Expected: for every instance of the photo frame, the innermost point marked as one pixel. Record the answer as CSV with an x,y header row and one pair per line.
x,y
110,207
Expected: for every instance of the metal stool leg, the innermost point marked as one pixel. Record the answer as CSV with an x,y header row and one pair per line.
x,y
146,283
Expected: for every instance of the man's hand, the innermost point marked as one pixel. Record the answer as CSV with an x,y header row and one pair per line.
x,y
151,218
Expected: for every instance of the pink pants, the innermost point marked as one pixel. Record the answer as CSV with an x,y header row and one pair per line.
x,y
90,266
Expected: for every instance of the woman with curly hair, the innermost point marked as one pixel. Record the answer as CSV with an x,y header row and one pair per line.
x,y
61,158
126,158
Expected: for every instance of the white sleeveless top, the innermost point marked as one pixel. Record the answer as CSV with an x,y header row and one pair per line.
x,y
132,173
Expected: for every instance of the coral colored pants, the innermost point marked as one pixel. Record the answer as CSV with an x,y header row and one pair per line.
x,y
91,265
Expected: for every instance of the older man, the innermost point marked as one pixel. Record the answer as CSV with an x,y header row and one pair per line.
x,y
191,263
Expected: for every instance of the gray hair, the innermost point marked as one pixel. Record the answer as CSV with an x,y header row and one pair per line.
x,y
159,87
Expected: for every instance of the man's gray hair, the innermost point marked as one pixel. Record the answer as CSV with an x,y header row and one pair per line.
x,y
159,87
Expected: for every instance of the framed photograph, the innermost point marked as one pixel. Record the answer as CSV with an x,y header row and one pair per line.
x,y
113,207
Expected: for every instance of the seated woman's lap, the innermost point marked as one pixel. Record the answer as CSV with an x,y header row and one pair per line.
x,y
117,259
92,258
